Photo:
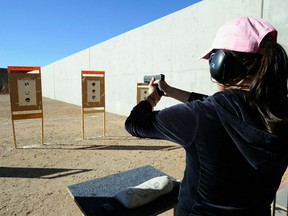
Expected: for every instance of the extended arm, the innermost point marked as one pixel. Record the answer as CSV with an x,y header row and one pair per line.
x,y
169,91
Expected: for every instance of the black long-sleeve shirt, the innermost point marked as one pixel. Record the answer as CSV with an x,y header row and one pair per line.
x,y
233,165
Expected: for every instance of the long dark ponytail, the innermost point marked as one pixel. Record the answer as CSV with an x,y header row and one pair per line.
x,y
268,90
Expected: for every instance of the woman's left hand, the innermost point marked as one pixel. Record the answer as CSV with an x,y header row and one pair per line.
x,y
154,96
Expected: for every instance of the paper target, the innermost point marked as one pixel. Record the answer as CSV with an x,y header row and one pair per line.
x,y
27,92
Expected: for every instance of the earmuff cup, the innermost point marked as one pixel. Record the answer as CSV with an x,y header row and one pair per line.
x,y
224,67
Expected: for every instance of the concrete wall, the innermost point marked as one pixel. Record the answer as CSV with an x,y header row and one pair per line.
x,y
170,45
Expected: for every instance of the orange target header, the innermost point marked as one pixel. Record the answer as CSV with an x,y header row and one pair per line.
x,y
93,72
23,68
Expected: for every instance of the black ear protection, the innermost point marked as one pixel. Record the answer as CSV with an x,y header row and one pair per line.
x,y
224,66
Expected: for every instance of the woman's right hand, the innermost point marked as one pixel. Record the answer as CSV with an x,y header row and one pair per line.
x,y
163,86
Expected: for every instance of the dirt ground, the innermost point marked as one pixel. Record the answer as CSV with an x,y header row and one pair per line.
x,y
34,177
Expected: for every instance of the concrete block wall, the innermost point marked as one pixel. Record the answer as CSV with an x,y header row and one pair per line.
x,y
170,45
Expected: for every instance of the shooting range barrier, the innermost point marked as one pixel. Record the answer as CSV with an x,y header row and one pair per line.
x,y
97,196
93,95
25,95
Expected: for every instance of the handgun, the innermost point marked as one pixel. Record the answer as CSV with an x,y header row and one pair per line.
x,y
147,79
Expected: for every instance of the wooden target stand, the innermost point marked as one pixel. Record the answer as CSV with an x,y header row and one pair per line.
x,y
93,96
142,91
25,95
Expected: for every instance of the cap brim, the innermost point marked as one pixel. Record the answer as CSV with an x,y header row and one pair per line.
x,y
206,55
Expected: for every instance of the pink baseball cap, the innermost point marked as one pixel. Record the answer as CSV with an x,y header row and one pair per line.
x,y
243,34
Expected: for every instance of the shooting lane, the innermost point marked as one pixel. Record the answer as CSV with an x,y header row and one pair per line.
x,y
93,96
25,95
